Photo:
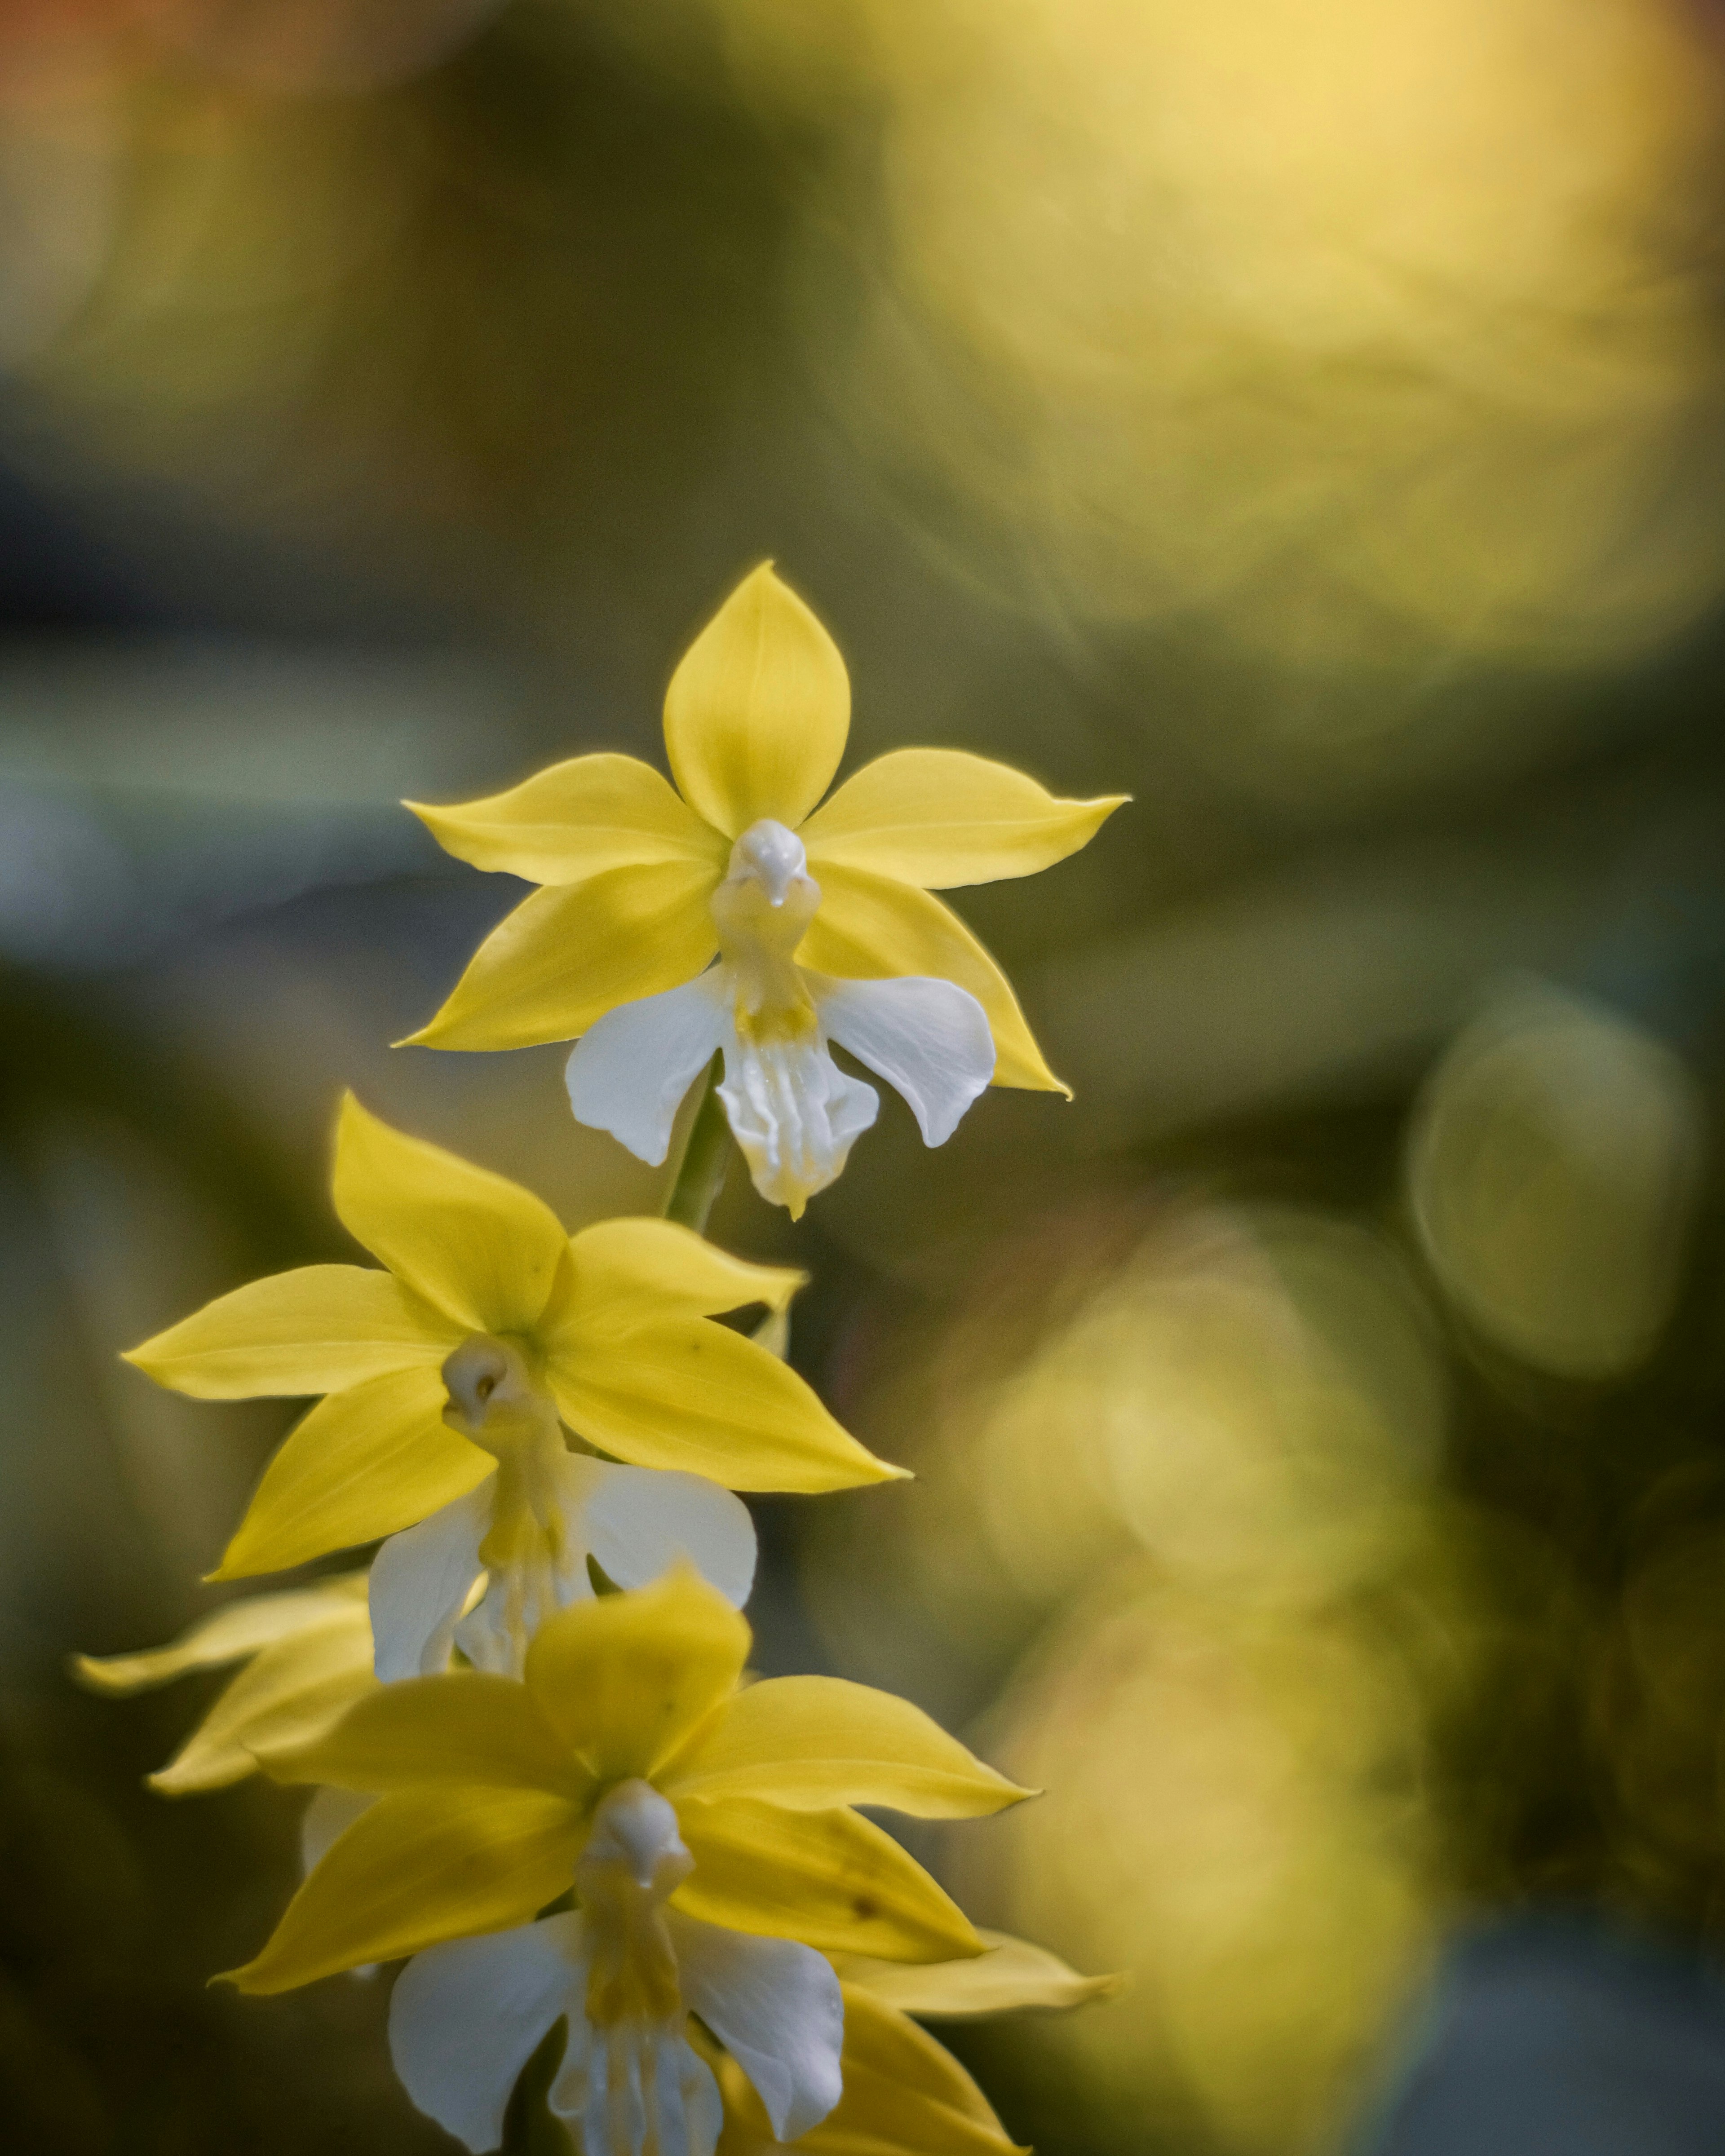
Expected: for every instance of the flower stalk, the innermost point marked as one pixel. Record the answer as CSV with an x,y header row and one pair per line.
x,y
707,1156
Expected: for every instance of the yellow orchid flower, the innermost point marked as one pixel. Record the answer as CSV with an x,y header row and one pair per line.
x,y
447,1376
308,1658
821,918
705,1828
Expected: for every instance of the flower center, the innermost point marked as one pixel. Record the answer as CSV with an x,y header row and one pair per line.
x,y
761,911
633,1861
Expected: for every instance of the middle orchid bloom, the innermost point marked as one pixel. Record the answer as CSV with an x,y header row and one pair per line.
x,y
449,1376
821,918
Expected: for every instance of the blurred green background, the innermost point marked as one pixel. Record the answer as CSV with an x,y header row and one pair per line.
x,y
1310,417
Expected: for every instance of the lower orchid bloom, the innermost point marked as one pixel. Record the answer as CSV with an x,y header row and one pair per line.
x,y
451,1377
820,917
705,1831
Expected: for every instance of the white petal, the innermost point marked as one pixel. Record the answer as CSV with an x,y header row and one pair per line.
x,y
639,1521
630,1069
609,2078
420,1582
330,1812
467,2016
794,1113
776,2007
929,1039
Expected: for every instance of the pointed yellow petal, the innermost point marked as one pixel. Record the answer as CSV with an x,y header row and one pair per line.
x,y
629,1272
570,953
812,1742
625,1678
873,928
756,714
364,1463
903,2090
238,1627
466,1728
289,1694
937,818
688,1393
313,1331
477,1245
904,2095
832,1879
576,820
413,1869
1010,1978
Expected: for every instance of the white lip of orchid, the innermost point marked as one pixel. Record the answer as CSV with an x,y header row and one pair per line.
x,y
495,1403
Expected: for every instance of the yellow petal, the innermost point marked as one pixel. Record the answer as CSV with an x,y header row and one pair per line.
x,y
570,953
904,2095
832,1879
466,1728
479,1246
576,820
757,712
688,1393
873,928
812,1742
313,1331
238,1627
936,817
290,1693
626,1272
1012,1976
624,1679
903,2092
413,1869
364,1463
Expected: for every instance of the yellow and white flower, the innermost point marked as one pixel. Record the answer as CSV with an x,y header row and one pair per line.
x,y
821,918
705,1829
450,1375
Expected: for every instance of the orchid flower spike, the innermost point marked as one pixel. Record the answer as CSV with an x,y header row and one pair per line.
x,y
705,1828
735,915
451,1378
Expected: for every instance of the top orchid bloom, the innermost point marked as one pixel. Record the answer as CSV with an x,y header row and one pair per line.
x,y
820,917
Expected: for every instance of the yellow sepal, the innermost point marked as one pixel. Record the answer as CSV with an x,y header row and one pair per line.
x,y
937,818
312,1331
1011,1977
624,1680
872,927
291,1692
684,1393
573,952
832,1879
629,1272
415,1869
464,1729
905,2095
812,1742
363,1464
758,711
483,1250
240,1628
575,819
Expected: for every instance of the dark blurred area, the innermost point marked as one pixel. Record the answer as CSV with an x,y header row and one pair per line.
x,y
1309,418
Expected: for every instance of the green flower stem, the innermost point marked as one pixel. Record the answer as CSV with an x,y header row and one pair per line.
x,y
529,2126
706,1154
